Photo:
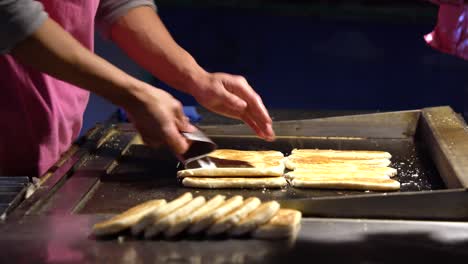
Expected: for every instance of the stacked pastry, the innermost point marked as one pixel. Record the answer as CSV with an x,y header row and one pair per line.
x,y
238,169
334,169
218,216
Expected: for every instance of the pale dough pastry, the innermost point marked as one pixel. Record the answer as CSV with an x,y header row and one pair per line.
x,y
204,210
305,173
207,220
171,219
234,217
343,169
354,183
294,162
248,183
160,212
126,219
256,218
285,223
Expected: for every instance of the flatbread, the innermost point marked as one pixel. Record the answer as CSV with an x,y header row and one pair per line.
x,y
256,218
204,222
240,163
285,223
249,183
160,212
234,217
306,173
294,162
342,154
312,169
126,219
196,215
353,183
171,219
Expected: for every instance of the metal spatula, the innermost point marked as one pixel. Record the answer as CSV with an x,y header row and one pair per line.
x,y
196,156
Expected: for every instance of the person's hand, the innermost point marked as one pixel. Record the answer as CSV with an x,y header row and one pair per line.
x,y
159,119
232,96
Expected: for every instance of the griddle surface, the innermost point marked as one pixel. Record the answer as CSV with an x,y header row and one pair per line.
x,y
143,174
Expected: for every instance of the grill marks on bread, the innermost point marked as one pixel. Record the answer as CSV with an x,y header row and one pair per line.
x,y
240,163
341,169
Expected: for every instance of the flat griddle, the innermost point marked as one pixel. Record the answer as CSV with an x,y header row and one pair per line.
x,y
142,178
425,144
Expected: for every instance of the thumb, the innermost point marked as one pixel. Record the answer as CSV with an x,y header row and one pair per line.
x,y
174,139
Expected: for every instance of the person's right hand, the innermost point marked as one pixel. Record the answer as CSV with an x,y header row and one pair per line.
x,y
159,119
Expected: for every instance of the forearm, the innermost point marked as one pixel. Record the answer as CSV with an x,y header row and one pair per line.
x,y
54,51
143,36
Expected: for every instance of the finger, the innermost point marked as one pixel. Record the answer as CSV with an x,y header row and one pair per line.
x,y
174,139
185,126
240,87
266,133
250,122
269,133
183,122
256,110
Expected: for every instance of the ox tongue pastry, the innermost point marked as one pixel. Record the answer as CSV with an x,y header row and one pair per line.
x,y
240,163
171,219
344,169
302,158
126,219
238,169
234,216
160,212
285,223
311,168
256,218
190,216
207,220
196,215
235,182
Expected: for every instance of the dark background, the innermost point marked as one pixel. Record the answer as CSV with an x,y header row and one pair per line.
x,y
319,55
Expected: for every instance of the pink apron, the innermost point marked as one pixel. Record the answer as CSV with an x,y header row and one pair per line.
x,y
451,32
41,116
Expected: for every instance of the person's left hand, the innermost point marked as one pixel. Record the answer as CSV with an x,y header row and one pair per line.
x,y
232,96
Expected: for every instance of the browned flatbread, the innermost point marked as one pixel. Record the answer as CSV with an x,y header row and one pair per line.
x,y
342,154
240,163
286,223
304,158
237,182
294,162
348,169
126,219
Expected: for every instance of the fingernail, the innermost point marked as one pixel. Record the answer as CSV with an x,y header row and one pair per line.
x,y
270,130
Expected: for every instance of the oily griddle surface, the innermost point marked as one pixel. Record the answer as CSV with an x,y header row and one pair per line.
x,y
143,174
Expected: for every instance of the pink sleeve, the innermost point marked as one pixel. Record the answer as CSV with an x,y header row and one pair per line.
x,y
451,32
451,2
